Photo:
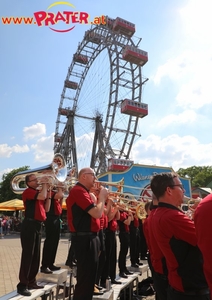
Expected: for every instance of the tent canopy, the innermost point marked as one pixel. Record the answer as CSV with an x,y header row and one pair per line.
x,y
12,205
17,204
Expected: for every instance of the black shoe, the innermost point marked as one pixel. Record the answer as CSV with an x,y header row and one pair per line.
x,y
24,292
54,268
128,272
135,266
46,270
70,264
139,263
34,286
123,275
116,282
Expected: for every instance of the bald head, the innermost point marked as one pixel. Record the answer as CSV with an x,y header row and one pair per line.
x,y
87,177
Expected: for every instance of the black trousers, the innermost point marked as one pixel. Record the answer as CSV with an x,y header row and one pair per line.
x,y
160,285
102,256
30,258
87,249
143,245
109,269
174,295
124,246
71,254
134,245
52,227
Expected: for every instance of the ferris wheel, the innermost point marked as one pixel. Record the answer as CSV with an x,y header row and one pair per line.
x,y
105,72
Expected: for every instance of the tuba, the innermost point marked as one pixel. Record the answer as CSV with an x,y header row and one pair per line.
x,y
55,171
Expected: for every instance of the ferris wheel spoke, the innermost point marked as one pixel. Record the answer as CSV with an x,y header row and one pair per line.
x,y
91,125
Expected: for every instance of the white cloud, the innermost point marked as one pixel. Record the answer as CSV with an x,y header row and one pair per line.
x,y
43,149
175,67
196,93
84,145
186,117
191,73
174,151
6,150
5,171
34,131
196,16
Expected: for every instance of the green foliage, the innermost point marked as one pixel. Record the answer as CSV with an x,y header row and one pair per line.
x,y
6,192
200,176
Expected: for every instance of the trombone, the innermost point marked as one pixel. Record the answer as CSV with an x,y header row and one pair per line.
x,y
138,210
121,199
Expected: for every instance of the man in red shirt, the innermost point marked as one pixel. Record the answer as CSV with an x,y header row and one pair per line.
x,y
176,237
52,229
203,224
36,203
156,259
124,237
109,270
84,223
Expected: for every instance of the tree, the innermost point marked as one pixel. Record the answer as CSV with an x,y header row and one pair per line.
x,y
200,176
6,192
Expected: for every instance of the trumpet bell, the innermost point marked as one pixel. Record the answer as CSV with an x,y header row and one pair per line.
x,y
140,211
57,169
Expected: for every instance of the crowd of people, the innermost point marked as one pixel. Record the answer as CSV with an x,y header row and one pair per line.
x,y
176,247
9,224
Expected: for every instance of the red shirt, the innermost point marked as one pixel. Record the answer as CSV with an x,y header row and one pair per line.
x,y
156,256
123,227
176,236
112,225
78,203
34,208
203,225
105,222
102,221
55,207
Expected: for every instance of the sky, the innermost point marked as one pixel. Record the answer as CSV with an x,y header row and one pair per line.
x,y
34,62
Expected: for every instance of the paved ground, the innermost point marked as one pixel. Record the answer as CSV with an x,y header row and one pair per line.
x,y
10,254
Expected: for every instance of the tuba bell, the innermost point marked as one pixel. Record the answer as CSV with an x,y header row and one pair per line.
x,y
56,170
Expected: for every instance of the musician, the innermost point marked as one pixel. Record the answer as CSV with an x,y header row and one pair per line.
x,y
36,203
134,241
52,229
83,219
156,259
124,237
109,270
203,223
102,237
176,237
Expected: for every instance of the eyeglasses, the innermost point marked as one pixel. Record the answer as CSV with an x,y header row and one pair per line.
x,y
180,185
91,174
32,180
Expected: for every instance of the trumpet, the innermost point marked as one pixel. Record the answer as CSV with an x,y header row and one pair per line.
x,y
119,185
191,206
129,205
192,202
138,210
119,198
